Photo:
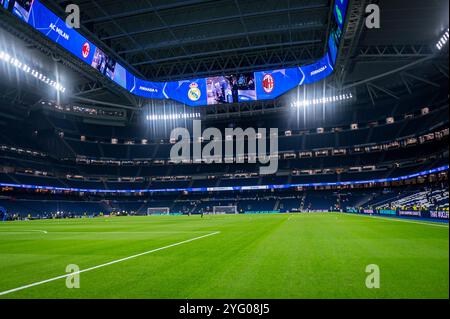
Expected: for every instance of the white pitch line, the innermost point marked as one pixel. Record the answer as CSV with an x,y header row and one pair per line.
x,y
105,232
105,264
40,231
405,221
24,231
129,232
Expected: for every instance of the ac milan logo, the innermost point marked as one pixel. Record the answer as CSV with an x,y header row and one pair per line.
x,y
268,83
86,50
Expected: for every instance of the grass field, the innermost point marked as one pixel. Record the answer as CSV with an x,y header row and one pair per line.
x,y
242,256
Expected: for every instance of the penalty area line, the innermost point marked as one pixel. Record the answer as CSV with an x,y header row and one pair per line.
x,y
105,264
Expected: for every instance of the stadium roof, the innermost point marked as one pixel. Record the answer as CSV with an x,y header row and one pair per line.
x,y
175,39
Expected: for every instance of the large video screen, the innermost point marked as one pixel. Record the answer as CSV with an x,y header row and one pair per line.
x,y
233,88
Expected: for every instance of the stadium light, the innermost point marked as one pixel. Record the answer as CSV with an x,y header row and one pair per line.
x,y
323,100
5,57
179,116
443,40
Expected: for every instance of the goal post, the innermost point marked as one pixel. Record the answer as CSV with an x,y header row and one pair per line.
x,y
220,210
158,211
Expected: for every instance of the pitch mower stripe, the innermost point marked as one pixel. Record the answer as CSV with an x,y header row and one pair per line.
x,y
106,264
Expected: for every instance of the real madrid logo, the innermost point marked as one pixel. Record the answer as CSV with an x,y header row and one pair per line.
x,y
268,83
194,92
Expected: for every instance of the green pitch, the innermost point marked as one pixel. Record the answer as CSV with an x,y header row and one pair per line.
x,y
242,256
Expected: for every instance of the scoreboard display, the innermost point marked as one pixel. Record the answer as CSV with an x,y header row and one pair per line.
x,y
234,88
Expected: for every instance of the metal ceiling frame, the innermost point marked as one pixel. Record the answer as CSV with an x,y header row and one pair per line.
x,y
289,11
353,28
299,53
162,60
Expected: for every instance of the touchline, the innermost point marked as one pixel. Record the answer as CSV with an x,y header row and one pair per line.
x,y
234,144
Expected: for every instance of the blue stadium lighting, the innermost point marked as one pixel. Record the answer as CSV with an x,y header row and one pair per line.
x,y
19,65
324,100
179,116
443,40
228,189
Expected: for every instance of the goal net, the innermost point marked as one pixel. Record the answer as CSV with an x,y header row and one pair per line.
x,y
225,210
158,211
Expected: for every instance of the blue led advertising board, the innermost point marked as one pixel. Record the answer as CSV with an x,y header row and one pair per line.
x,y
225,189
340,12
4,3
234,88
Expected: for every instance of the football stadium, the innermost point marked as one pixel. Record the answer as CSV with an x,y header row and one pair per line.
x,y
224,149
